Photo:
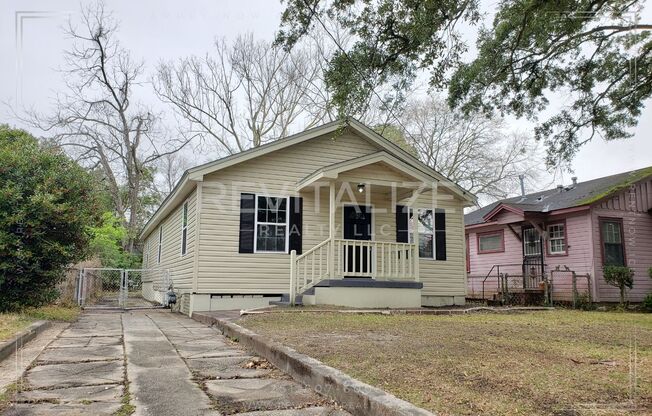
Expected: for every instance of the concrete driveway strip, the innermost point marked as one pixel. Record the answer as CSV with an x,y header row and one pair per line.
x,y
159,380
170,364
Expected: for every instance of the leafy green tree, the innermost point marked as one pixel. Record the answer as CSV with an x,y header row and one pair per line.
x,y
47,205
620,276
108,241
593,53
597,55
393,39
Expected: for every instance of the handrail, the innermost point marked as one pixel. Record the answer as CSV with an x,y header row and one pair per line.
x,y
497,267
315,248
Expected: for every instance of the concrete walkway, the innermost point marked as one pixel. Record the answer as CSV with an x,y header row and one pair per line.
x,y
156,363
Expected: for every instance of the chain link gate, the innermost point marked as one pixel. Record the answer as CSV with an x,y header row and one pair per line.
x,y
110,288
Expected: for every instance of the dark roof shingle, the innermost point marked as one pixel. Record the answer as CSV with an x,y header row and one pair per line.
x,y
583,193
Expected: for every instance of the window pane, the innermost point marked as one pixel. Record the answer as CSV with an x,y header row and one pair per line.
x,y
425,245
270,237
491,242
611,232
613,254
556,231
425,221
531,242
557,246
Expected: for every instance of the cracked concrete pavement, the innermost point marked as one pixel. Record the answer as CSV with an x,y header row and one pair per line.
x,y
155,362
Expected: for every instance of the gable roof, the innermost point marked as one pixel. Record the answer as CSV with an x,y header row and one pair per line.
x,y
580,194
332,171
193,175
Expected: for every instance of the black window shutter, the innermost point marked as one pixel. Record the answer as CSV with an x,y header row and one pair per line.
x,y
296,224
402,224
247,222
440,234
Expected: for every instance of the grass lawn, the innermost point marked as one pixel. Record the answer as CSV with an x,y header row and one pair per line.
x,y
12,323
545,363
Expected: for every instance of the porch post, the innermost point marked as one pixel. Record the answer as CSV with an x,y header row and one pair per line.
x,y
415,233
293,277
331,230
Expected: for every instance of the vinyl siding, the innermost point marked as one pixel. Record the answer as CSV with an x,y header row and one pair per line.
x,y
445,277
222,270
180,267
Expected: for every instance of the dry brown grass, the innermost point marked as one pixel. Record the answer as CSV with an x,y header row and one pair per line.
x,y
12,323
543,363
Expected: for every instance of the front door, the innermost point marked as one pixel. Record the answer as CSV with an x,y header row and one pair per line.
x,y
532,252
357,226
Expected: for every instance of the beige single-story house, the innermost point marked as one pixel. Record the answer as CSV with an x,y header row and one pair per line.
x,y
320,217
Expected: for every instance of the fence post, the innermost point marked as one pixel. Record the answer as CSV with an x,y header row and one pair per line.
x,y
293,273
80,277
588,284
574,290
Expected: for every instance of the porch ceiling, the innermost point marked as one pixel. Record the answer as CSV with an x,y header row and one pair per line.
x,y
413,178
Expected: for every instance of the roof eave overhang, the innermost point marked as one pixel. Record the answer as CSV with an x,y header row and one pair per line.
x,y
502,207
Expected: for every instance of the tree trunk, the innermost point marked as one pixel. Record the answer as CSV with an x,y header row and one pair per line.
x,y
622,295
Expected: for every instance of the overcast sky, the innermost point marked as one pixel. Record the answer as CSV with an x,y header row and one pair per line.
x,y
155,30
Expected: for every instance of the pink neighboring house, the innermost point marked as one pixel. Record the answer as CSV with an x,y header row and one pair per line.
x,y
582,227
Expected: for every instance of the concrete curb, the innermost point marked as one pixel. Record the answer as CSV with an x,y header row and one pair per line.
x,y
460,311
17,341
355,396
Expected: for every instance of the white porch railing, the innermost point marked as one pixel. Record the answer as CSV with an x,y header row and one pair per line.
x,y
310,268
351,258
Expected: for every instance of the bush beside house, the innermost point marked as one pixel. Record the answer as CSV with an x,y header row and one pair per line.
x,y
48,204
621,277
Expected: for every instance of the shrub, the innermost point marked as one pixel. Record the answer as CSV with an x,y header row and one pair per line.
x,y
47,205
620,276
647,303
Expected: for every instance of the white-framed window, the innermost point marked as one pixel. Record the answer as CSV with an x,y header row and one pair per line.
x,y
147,246
426,232
557,239
160,244
184,228
272,218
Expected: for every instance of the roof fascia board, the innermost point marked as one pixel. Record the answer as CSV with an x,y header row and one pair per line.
x,y
499,208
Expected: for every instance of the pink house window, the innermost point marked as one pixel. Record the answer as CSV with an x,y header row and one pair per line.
x,y
491,242
557,239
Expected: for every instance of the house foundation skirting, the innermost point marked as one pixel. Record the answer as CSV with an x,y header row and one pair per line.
x,y
224,302
435,301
